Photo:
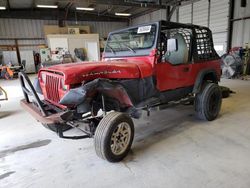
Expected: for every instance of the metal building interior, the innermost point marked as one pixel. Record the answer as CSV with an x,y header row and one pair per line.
x,y
111,105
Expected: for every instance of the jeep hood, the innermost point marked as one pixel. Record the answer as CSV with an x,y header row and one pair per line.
x,y
121,69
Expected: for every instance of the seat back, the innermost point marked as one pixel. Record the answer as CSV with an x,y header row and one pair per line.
x,y
181,55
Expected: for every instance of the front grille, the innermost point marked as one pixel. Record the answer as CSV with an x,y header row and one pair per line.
x,y
52,86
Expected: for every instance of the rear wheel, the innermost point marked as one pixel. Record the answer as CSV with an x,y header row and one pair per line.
x,y
53,127
114,136
208,102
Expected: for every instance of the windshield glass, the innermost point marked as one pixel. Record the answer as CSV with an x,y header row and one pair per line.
x,y
134,39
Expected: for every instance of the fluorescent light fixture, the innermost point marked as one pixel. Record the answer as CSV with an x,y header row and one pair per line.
x,y
2,8
47,6
85,8
122,14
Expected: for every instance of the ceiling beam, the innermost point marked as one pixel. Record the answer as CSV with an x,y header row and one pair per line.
x,y
107,10
130,10
130,4
8,4
143,13
59,14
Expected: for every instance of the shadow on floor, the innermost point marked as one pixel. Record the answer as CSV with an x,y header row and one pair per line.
x,y
159,126
32,145
4,114
7,174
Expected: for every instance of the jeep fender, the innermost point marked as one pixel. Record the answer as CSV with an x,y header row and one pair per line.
x,y
208,74
84,94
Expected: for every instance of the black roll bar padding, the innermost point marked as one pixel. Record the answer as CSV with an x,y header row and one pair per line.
x,y
30,92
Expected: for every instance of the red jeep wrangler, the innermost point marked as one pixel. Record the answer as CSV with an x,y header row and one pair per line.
x,y
144,66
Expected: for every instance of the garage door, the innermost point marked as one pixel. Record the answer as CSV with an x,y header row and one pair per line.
x,y
200,13
219,24
185,14
218,21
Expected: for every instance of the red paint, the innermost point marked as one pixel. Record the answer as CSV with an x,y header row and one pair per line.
x,y
168,76
126,69
49,87
176,76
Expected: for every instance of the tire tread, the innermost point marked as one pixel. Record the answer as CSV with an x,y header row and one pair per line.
x,y
200,106
102,131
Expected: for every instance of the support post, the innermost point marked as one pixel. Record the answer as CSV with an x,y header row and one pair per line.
x,y
192,13
209,12
230,24
170,12
18,52
177,14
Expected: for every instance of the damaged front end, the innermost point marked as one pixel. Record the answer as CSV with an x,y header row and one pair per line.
x,y
84,104
99,94
47,113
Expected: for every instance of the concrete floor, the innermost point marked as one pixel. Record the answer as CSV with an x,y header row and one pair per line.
x,y
171,149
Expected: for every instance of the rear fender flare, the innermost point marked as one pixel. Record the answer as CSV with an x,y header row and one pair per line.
x,y
208,74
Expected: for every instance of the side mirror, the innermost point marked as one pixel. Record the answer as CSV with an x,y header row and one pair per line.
x,y
172,45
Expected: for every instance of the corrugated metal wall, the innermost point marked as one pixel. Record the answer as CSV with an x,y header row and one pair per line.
x,y
200,13
34,28
217,21
151,17
241,28
25,28
185,15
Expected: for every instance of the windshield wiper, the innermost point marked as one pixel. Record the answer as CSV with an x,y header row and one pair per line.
x,y
128,47
112,50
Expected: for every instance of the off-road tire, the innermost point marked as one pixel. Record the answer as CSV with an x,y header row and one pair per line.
x,y
103,136
53,127
208,102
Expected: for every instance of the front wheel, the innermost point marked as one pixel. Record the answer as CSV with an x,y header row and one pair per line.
x,y
208,102
114,136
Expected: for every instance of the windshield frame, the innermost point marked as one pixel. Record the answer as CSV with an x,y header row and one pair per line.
x,y
129,53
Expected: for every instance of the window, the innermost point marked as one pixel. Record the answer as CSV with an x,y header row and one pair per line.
x,y
183,38
142,37
204,45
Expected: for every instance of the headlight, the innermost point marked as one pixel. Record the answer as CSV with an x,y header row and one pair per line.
x,y
43,77
64,87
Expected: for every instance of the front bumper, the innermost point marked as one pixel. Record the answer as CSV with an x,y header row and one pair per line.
x,y
34,111
38,109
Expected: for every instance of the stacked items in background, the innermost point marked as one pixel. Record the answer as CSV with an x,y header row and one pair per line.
x,y
9,61
236,63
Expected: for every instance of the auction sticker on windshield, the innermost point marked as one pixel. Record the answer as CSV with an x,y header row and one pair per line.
x,y
144,29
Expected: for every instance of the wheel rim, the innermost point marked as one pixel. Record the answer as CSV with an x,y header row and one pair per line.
x,y
120,138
